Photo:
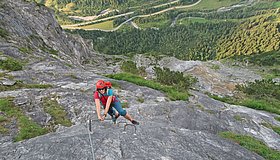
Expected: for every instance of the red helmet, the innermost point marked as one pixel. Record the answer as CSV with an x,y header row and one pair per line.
x,y
100,84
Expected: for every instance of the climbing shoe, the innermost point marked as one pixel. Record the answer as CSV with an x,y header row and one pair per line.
x,y
135,122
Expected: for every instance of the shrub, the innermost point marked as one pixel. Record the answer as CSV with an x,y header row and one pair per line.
x,y
261,88
10,64
130,67
171,92
174,78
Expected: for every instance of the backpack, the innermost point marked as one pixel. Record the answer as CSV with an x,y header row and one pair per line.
x,y
108,84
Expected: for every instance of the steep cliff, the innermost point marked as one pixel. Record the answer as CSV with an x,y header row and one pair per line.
x,y
32,34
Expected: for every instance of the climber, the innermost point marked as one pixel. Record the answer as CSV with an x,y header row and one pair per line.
x,y
103,96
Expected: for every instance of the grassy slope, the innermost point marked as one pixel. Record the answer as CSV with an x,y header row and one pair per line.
x,y
214,4
108,25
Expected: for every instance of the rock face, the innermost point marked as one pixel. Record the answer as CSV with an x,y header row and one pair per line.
x,y
167,130
213,76
33,34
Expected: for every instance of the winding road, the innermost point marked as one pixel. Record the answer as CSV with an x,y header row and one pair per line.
x,y
77,26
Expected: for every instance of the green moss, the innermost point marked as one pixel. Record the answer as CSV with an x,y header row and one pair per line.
x,y
130,67
20,85
215,67
3,130
116,85
2,119
11,64
50,50
27,128
274,128
141,100
125,105
238,118
26,50
200,107
3,33
253,145
72,76
57,112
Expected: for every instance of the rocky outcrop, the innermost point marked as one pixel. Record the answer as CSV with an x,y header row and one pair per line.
x,y
163,134
33,34
213,76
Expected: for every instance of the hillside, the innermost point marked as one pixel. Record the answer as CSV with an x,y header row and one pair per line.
x,y
193,33
47,112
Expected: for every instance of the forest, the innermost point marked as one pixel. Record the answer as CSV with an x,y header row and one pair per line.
x,y
196,41
217,35
94,7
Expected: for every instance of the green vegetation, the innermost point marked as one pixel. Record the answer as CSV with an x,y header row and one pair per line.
x,y
141,100
3,120
174,78
49,50
265,59
226,99
19,85
165,78
261,95
27,128
251,37
116,84
266,105
160,21
262,90
253,145
194,42
88,7
277,118
25,50
3,33
268,61
130,67
125,104
10,64
238,117
3,130
274,128
171,92
214,4
57,112
200,33
215,67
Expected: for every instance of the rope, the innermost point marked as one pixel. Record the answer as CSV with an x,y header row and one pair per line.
x,y
91,144
88,129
